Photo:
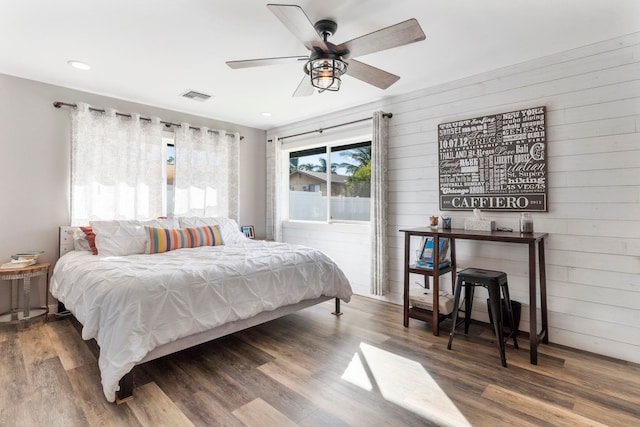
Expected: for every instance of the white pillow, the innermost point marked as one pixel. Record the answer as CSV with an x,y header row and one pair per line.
x,y
118,238
229,228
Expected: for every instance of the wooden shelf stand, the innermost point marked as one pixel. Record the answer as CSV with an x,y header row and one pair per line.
x,y
535,244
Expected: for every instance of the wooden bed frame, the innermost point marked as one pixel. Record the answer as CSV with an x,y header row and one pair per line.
x,y
126,384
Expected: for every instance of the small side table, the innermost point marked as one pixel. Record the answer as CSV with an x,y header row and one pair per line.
x,y
25,274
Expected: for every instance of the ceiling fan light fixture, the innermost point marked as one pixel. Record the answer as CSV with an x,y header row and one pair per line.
x,y
325,73
325,66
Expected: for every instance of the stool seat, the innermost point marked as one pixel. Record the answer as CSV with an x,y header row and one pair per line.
x,y
483,277
494,281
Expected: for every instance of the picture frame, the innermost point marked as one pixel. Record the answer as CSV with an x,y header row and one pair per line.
x,y
494,162
249,231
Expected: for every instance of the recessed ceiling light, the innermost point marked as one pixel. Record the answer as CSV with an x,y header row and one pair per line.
x,y
265,114
79,65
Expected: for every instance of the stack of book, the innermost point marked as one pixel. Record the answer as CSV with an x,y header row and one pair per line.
x,y
424,256
429,265
21,260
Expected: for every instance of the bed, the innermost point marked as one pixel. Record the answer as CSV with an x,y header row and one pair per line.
x,y
141,306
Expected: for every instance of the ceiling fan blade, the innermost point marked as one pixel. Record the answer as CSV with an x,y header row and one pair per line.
x,y
294,18
304,88
369,74
396,35
265,61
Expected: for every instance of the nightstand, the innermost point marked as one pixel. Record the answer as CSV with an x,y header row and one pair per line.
x,y
15,315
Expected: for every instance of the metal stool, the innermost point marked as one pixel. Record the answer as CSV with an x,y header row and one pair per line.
x,y
493,281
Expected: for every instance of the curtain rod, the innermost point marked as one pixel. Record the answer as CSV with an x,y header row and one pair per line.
x,y
388,115
59,104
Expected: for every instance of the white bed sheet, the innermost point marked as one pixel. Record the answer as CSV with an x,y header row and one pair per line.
x,y
132,304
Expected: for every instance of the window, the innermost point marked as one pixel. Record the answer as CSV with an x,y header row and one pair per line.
x,y
171,172
330,181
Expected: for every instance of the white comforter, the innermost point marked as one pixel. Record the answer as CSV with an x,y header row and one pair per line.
x,y
132,304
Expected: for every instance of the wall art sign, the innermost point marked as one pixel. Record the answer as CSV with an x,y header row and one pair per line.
x,y
496,162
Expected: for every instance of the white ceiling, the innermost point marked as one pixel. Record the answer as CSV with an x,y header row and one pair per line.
x,y
152,51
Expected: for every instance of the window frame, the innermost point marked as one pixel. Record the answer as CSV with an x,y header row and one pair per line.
x,y
329,147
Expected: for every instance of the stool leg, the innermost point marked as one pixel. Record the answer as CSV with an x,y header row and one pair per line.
x,y
469,290
512,330
456,304
496,312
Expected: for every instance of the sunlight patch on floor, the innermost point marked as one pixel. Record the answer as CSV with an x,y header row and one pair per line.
x,y
403,382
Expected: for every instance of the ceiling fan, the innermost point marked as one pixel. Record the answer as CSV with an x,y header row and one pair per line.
x,y
328,62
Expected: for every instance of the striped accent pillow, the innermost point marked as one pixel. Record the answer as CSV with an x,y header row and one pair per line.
x,y
167,239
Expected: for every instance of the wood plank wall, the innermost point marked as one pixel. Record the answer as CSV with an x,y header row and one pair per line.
x,y
592,95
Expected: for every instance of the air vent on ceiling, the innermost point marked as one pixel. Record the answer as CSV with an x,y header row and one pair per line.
x,y
196,96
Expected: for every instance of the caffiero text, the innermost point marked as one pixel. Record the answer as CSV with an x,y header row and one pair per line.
x,y
529,202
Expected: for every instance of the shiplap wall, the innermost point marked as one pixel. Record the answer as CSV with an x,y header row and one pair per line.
x,y
592,95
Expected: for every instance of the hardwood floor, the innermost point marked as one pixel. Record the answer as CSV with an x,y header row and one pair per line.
x,y
314,369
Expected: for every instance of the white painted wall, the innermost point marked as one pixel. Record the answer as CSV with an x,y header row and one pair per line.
x,y
592,95
348,245
35,166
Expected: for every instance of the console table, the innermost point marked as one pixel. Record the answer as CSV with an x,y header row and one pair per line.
x,y
25,274
532,240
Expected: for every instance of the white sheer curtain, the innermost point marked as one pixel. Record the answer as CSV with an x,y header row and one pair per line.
x,y
274,189
379,190
116,166
207,172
